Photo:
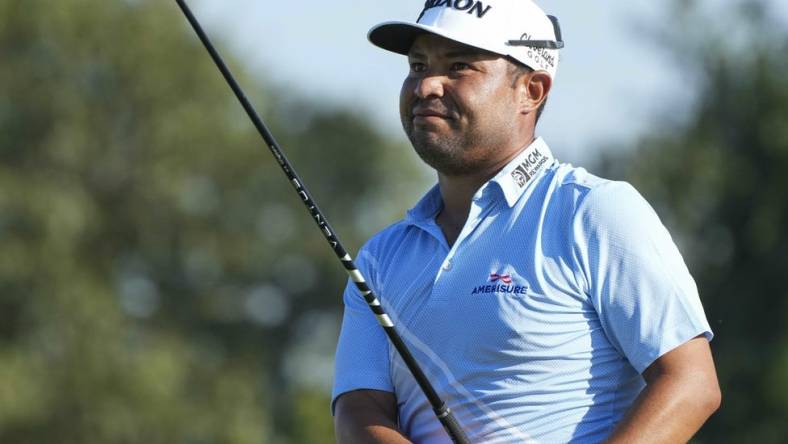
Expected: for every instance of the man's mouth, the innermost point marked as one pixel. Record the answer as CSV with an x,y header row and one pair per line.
x,y
427,114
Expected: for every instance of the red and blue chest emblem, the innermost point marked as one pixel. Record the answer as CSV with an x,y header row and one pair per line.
x,y
500,283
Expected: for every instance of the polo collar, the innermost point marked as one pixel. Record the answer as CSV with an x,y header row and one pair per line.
x,y
514,179
426,208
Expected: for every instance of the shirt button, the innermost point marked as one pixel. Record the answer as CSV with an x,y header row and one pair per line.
x,y
447,265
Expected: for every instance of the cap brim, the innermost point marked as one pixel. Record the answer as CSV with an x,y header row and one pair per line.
x,y
398,36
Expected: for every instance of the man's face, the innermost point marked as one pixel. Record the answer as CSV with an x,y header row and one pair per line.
x,y
458,105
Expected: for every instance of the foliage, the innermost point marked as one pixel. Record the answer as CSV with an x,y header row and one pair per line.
x,y
160,282
718,180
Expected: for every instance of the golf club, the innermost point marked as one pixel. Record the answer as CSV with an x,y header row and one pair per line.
x,y
442,411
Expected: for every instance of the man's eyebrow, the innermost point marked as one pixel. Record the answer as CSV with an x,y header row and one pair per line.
x,y
452,54
465,53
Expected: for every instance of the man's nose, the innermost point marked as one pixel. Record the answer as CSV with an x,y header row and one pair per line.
x,y
430,85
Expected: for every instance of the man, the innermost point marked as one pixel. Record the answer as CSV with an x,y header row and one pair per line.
x,y
545,304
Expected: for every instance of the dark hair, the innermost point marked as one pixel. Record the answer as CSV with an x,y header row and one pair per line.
x,y
519,70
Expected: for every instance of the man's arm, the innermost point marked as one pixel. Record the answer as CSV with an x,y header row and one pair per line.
x,y
367,416
681,393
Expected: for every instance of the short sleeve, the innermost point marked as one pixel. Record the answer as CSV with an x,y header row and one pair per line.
x,y
362,357
647,301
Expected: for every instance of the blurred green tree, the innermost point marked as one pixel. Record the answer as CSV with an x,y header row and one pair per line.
x,y
159,280
717,176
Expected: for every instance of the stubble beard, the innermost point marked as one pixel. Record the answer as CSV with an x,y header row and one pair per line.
x,y
447,154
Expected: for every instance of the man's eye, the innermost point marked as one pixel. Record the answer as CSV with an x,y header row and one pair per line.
x,y
459,66
417,67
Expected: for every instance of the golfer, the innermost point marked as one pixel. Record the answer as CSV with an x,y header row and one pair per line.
x,y
545,304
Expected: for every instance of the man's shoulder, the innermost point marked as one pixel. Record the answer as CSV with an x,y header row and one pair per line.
x,y
570,177
574,190
598,201
582,187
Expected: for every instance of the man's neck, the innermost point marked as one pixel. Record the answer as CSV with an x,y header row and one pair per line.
x,y
457,193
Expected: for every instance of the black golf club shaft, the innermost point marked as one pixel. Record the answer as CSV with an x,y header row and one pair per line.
x,y
442,411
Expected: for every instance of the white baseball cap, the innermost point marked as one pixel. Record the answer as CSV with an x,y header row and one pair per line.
x,y
514,28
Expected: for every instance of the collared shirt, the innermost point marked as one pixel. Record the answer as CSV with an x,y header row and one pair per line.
x,y
535,325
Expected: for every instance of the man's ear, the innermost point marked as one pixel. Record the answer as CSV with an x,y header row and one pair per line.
x,y
533,89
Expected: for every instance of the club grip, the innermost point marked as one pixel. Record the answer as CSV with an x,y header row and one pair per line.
x,y
451,425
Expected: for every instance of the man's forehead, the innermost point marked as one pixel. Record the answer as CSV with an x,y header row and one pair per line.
x,y
428,44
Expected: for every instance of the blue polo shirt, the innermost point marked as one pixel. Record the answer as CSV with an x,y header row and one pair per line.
x,y
536,324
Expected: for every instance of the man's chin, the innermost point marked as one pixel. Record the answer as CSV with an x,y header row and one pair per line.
x,y
442,157
425,140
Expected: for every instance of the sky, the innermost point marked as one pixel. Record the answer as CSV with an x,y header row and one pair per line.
x,y
613,79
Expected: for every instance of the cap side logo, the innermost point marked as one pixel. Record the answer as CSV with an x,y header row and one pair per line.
x,y
546,58
471,6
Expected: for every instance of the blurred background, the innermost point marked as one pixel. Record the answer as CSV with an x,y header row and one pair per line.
x,y
161,283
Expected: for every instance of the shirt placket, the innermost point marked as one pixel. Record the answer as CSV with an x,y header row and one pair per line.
x,y
480,206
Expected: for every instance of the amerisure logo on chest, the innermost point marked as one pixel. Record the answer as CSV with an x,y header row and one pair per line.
x,y
471,6
500,283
